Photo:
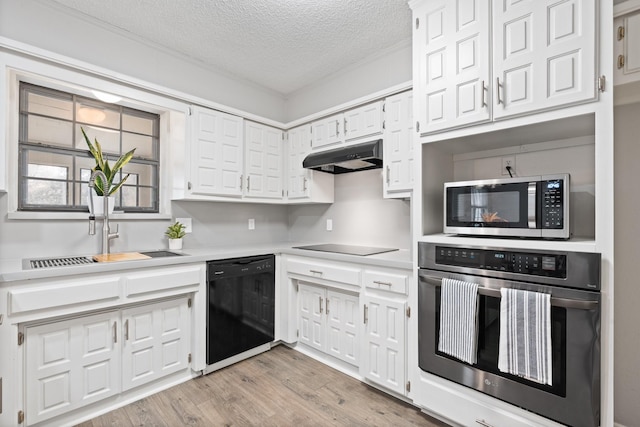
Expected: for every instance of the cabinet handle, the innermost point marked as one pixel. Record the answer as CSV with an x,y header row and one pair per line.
x,y
337,128
498,90
483,423
248,182
315,272
115,332
126,330
327,305
366,314
304,184
482,89
383,283
388,173
345,127
320,304
241,182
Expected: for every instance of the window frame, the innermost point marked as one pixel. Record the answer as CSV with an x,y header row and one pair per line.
x,y
76,186
172,111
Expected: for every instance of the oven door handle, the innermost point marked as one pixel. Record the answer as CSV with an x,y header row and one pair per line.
x,y
556,302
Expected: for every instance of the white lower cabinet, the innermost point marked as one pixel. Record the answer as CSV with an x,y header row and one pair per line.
x,y
328,321
70,364
78,361
383,358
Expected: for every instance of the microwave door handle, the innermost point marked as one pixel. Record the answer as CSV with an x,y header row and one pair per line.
x,y
531,204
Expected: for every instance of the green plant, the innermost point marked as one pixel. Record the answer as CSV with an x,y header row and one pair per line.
x,y
175,231
102,164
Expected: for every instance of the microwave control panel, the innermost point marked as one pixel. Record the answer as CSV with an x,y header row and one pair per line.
x,y
552,193
533,264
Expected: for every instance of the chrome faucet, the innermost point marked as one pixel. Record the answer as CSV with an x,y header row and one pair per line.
x,y
107,235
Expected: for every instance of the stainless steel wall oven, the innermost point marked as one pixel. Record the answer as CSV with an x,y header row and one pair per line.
x,y
573,281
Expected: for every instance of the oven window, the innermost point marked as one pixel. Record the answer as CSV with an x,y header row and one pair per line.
x,y
489,340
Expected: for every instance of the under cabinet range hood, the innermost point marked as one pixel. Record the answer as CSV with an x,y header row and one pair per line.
x,y
352,158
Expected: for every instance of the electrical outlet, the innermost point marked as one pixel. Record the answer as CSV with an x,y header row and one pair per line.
x,y
187,224
329,224
508,161
252,224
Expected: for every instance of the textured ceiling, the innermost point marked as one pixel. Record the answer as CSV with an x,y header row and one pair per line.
x,y
282,45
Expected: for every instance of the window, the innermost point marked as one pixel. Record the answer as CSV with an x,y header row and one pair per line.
x,y
54,160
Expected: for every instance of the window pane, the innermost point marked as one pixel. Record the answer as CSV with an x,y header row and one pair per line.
x,y
137,124
92,114
145,173
142,144
43,192
47,105
44,130
109,139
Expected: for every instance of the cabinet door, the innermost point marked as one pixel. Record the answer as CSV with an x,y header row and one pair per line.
x,y
216,153
312,320
299,147
327,131
263,146
384,354
398,144
342,323
451,50
71,363
155,341
544,54
363,121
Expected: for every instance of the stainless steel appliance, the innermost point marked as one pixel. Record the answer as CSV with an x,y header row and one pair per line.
x,y
241,308
572,279
536,206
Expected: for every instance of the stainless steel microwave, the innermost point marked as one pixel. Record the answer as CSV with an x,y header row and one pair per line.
x,y
534,207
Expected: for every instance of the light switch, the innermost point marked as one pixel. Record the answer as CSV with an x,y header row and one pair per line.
x,y
187,224
329,224
252,224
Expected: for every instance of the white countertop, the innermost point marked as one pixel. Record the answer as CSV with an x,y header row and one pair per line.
x,y
11,269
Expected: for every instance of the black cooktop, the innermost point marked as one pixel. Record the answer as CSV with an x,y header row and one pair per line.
x,y
346,249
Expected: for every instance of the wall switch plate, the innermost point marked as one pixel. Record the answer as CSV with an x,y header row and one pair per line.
x,y
329,224
508,161
187,224
252,224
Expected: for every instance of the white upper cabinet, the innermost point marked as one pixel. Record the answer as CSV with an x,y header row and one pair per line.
x,y
451,45
398,145
305,184
542,55
627,48
264,161
351,125
216,153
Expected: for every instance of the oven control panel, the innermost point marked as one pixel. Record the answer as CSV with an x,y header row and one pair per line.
x,y
529,263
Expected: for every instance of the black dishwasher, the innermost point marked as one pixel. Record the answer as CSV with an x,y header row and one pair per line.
x,y
241,300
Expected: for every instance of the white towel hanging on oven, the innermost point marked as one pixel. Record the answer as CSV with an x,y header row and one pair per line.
x,y
525,335
459,320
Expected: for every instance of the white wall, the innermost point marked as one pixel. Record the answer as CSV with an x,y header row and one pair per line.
x,y
41,25
627,290
359,213
387,69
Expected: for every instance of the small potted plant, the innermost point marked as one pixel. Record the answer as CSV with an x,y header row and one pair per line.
x,y
175,233
107,189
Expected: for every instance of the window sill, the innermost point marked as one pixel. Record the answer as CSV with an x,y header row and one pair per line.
x,y
84,216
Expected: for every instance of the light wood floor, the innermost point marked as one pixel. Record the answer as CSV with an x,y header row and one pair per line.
x,y
281,387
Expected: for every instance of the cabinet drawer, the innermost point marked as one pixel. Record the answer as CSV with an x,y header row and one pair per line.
x,y
163,279
386,281
64,293
326,271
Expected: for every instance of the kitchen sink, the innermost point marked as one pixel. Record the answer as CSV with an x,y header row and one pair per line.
x,y
160,254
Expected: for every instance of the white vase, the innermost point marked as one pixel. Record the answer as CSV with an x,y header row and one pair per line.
x,y
98,204
175,244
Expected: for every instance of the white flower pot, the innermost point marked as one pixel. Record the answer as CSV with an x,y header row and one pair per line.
x,y
175,244
98,204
